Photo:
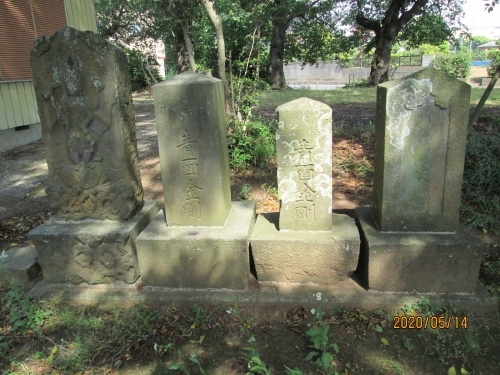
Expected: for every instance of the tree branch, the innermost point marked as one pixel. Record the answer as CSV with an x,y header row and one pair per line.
x,y
368,23
416,9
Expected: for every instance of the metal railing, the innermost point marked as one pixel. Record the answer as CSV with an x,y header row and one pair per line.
x,y
395,61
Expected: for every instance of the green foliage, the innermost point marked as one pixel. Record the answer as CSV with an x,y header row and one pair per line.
x,y
244,191
255,364
22,313
456,65
4,347
490,274
431,29
295,371
480,205
494,56
310,42
199,314
137,63
251,144
444,346
428,49
423,306
318,335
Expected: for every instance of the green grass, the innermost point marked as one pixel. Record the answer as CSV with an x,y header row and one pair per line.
x,y
330,97
351,95
477,92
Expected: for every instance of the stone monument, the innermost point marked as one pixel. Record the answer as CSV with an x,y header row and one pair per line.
x,y
305,243
411,237
84,99
201,240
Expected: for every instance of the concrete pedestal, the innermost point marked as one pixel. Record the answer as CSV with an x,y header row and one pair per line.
x,y
198,257
90,251
421,262
307,258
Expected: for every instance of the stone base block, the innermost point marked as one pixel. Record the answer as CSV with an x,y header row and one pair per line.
x,y
308,258
198,257
18,264
91,251
421,262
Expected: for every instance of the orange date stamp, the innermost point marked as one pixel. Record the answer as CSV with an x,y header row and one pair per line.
x,y
434,322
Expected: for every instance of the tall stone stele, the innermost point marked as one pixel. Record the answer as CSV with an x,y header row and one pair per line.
x,y
419,152
191,125
412,236
84,98
304,157
305,243
202,239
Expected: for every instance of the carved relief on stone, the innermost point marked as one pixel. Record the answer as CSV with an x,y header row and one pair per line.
x,y
83,95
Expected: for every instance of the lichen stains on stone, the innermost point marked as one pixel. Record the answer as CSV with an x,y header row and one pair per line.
x,y
402,99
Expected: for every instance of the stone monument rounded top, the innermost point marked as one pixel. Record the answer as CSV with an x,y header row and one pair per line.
x,y
302,104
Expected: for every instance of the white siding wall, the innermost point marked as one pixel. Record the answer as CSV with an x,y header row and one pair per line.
x,y
17,104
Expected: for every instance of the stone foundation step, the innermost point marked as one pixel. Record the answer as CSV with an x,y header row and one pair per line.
x,y
18,264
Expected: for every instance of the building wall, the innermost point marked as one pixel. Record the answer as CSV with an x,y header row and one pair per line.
x,y
80,14
17,104
333,73
18,108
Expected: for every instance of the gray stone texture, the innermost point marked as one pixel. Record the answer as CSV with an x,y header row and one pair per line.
x,y
420,138
84,99
308,258
304,158
347,294
198,257
192,140
18,264
90,251
422,262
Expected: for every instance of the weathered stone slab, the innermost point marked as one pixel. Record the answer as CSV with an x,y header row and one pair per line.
x,y
90,251
304,157
421,262
420,137
84,99
18,264
307,258
198,257
190,119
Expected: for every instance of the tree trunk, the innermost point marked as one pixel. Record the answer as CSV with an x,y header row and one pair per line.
x,y
386,30
276,73
185,51
485,97
381,62
221,47
189,46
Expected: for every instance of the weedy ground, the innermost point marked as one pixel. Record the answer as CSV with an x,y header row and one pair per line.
x,y
50,336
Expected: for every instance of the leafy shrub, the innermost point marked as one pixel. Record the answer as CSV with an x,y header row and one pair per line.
x,y
251,144
494,56
428,49
456,65
139,76
22,314
481,184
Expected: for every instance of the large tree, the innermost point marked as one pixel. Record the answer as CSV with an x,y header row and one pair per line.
x,y
280,14
387,18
